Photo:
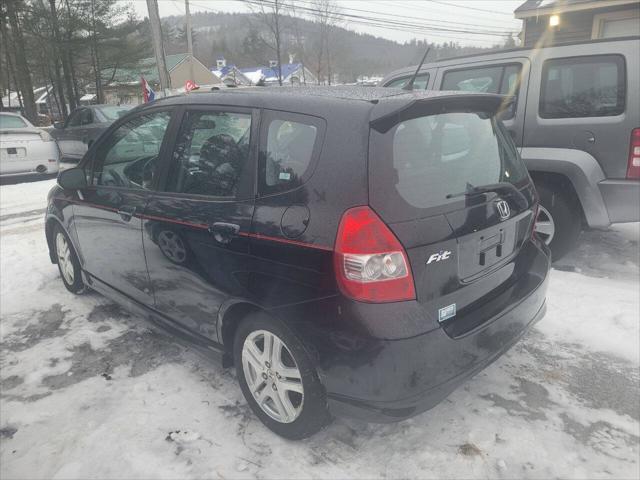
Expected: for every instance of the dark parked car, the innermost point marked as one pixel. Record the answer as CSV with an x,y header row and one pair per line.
x,y
576,121
83,127
354,251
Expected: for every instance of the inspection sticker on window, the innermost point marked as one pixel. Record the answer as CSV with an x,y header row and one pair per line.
x,y
284,176
447,312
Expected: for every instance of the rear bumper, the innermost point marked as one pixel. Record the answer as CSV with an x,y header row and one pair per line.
x,y
461,359
622,199
377,366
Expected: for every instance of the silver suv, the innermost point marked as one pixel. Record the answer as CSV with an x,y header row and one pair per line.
x,y
576,120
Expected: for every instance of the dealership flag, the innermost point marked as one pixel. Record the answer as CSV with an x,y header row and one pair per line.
x,y
190,85
147,92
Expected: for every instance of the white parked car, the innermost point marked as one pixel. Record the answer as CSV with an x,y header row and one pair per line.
x,y
25,148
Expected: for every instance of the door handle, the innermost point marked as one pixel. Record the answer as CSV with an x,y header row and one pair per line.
x,y
126,213
224,232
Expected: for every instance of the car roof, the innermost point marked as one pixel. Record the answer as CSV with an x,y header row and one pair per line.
x,y
499,55
325,101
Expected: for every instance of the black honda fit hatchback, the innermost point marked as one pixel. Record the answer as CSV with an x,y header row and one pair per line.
x,y
352,251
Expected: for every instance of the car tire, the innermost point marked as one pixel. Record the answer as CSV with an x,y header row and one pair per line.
x,y
286,378
559,221
67,260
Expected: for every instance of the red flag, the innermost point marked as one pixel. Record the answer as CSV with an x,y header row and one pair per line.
x,y
190,85
147,92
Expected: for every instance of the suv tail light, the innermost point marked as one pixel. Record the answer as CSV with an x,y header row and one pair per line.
x,y
633,169
370,263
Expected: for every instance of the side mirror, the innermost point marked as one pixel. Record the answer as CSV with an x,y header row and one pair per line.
x,y
72,179
58,125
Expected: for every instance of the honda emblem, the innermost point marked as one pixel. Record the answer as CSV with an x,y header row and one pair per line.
x,y
503,209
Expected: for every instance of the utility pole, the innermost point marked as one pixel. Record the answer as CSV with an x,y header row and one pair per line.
x,y
189,39
158,47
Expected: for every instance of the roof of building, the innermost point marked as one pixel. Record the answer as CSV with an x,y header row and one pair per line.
x,y
544,7
270,74
146,68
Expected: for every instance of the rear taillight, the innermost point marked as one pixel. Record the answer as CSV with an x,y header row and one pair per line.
x,y
45,136
633,168
370,263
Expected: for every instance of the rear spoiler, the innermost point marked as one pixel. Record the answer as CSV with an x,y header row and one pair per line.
x,y
43,133
387,114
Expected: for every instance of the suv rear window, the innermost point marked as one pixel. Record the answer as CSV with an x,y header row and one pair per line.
x,y
419,166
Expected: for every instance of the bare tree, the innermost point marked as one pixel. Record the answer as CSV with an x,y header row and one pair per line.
x,y
23,75
270,15
327,15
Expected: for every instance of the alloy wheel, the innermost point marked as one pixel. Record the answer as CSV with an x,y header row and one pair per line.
x,y
545,227
64,258
172,246
272,376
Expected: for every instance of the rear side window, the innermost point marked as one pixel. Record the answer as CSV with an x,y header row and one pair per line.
x,y
420,84
502,79
583,87
426,162
211,153
289,145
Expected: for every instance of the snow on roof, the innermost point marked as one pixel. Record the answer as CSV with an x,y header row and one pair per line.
x,y
270,74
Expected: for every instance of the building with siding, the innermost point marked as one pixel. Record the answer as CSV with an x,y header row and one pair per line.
x,y
123,85
550,22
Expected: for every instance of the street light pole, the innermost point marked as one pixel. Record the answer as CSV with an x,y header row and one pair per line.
x,y
158,48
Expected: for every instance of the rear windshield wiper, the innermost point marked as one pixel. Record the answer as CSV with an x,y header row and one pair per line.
x,y
493,187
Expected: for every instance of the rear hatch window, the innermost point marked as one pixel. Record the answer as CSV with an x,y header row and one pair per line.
x,y
423,165
453,189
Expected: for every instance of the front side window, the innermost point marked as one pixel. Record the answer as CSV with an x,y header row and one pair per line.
x,y
287,154
419,84
502,79
129,156
583,87
211,153
75,120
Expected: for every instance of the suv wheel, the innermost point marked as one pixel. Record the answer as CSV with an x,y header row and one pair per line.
x,y
559,221
278,379
67,260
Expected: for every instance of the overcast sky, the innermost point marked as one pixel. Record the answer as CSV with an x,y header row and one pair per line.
x,y
495,16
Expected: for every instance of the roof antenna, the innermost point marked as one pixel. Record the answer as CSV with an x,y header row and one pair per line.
x,y
409,85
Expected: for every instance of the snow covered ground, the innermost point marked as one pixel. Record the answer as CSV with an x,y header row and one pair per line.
x,y
90,391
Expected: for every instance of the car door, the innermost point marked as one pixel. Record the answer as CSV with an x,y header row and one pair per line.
x,y
195,230
107,214
583,102
66,136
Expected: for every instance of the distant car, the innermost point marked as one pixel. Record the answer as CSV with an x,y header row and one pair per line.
x,y
25,148
83,127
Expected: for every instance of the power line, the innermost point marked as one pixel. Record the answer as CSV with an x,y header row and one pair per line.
x,y
411,6
373,21
379,23
395,15
467,7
